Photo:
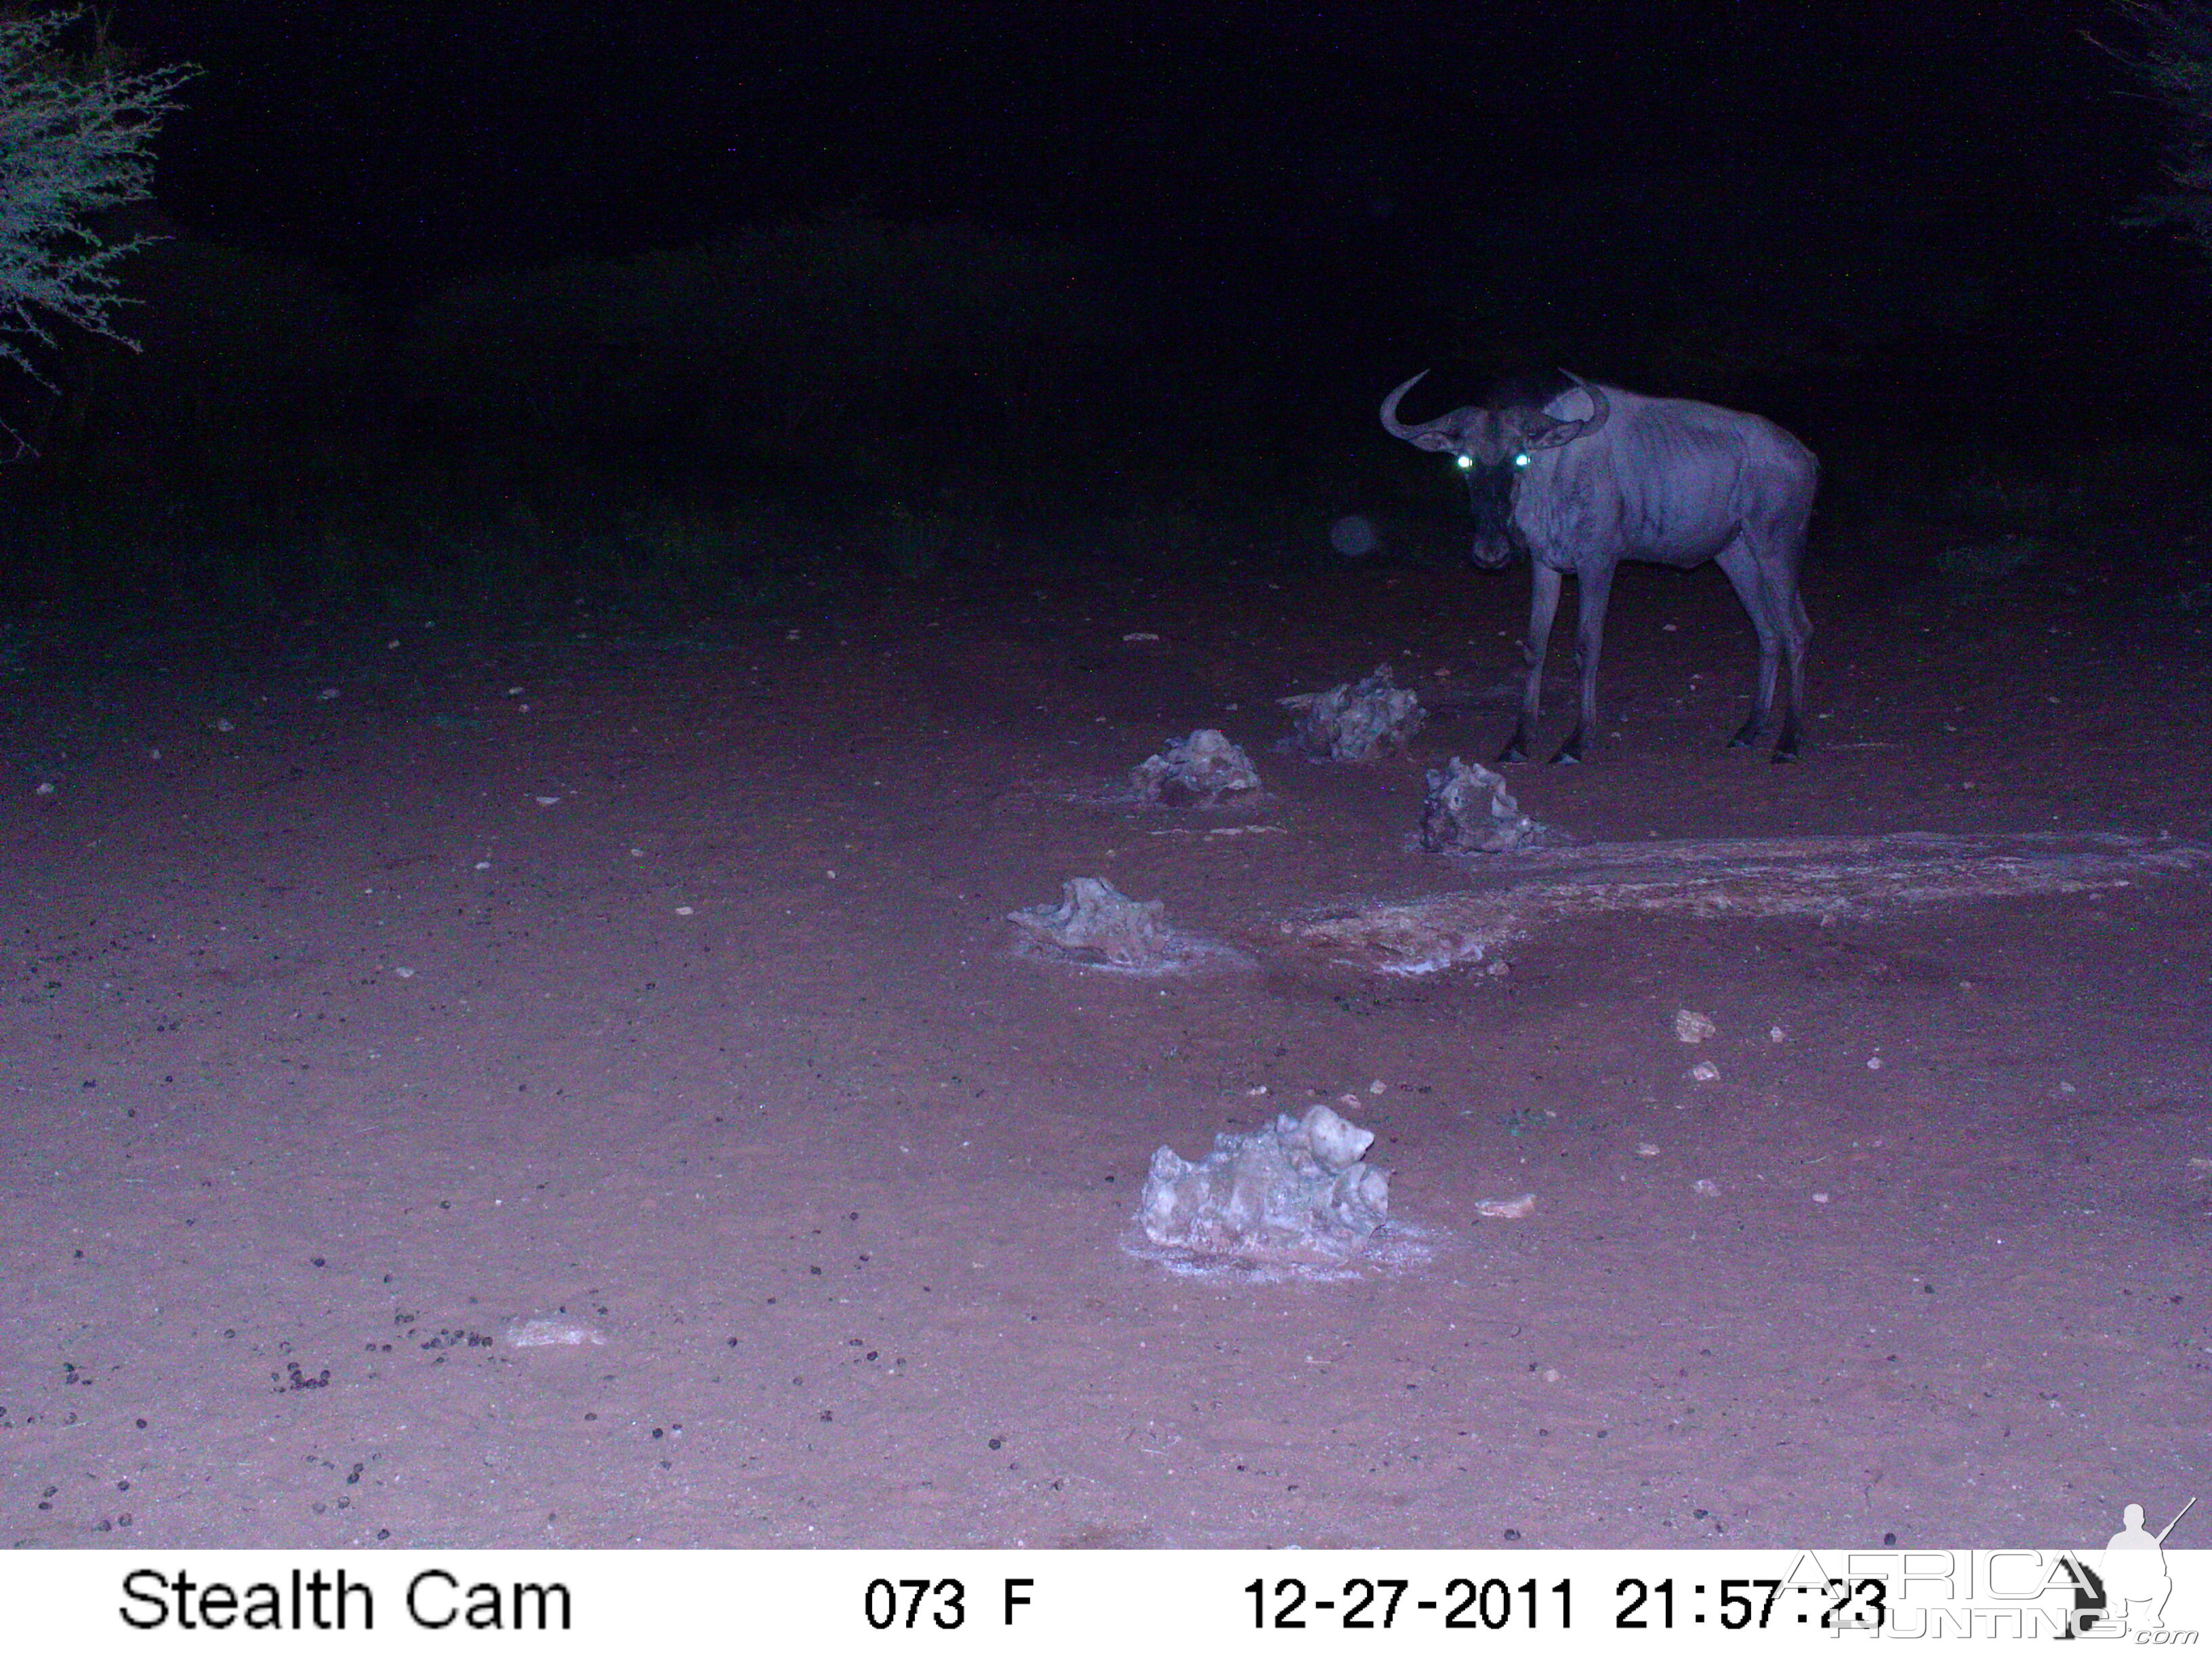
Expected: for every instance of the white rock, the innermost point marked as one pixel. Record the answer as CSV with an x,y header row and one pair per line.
x,y
552,1331
1468,810
1196,770
1295,1190
1350,722
1519,1207
1691,1027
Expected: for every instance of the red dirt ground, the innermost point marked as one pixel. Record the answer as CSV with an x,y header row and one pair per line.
x,y
330,1050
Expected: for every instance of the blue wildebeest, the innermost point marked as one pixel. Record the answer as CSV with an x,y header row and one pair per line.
x,y
1581,477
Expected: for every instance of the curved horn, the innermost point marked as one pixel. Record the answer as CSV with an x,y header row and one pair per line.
x,y
1600,406
1391,423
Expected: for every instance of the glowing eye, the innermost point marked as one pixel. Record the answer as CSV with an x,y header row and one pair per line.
x,y
1521,460
1467,463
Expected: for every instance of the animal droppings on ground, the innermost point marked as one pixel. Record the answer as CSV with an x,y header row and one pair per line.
x,y
1199,770
1468,810
1352,722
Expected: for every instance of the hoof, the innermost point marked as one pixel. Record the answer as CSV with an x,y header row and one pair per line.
x,y
1510,753
1742,741
1783,756
1570,756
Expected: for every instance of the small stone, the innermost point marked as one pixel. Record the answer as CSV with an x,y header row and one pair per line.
x,y
554,1331
1691,1027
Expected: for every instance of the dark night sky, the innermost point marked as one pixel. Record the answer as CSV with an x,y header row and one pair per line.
x,y
1346,190
405,142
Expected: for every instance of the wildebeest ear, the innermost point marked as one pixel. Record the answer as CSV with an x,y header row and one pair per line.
x,y
1432,440
1576,405
1539,430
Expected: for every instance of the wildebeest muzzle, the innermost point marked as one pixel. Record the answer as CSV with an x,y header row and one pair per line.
x,y
1489,493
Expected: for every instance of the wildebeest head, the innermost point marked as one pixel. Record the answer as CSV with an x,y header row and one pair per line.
x,y
1494,442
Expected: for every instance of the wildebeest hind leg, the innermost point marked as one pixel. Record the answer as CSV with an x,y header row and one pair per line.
x,y
1799,636
1741,566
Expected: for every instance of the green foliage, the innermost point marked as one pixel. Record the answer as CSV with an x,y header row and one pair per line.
x,y
235,341
915,546
1980,564
2176,63
831,347
2150,475
2001,494
75,144
2194,599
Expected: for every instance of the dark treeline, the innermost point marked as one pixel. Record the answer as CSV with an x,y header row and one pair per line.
x,y
901,397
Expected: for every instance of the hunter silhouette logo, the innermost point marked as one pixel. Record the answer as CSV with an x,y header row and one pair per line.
x,y
2137,1583
2129,1587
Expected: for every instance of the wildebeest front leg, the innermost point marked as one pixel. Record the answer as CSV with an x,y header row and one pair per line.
x,y
1543,606
1593,586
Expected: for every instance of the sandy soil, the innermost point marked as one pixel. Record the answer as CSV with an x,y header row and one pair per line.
x,y
659,984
